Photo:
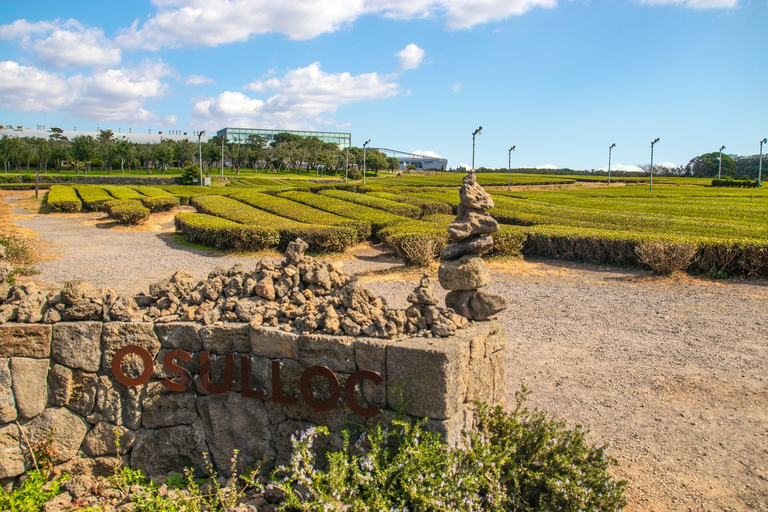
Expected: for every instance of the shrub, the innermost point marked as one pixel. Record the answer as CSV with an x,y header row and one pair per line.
x,y
508,241
428,207
418,243
19,250
223,234
93,197
62,198
717,258
33,493
665,257
190,175
377,218
744,183
122,192
522,460
320,238
402,209
127,211
301,212
160,203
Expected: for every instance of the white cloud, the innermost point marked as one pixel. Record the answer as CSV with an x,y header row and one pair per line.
x,y
410,57
464,166
213,22
199,80
297,100
621,167
456,87
62,45
426,153
696,4
668,165
548,166
111,95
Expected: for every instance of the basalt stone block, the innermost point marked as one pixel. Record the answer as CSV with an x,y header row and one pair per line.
x,y
274,343
74,389
476,304
467,273
158,452
180,335
335,352
77,345
470,222
165,408
33,340
223,339
116,335
29,385
68,429
102,440
11,454
7,402
479,245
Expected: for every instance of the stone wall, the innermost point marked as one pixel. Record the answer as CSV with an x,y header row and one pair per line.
x,y
59,378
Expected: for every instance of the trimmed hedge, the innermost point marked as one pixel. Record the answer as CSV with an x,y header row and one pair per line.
x,y
378,218
93,197
122,192
62,198
428,207
198,228
735,183
418,243
160,203
508,241
402,209
301,212
319,238
127,211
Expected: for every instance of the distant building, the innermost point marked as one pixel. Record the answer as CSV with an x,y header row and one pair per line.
x,y
420,162
130,135
344,140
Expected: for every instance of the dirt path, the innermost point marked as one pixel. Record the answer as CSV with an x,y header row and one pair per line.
x,y
672,372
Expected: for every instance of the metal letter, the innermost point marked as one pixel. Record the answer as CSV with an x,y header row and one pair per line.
x,y
117,370
349,392
205,375
277,393
325,372
245,382
169,363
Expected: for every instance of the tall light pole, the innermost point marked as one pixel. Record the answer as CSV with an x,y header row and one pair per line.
x,y
610,148
720,161
474,133
509,169
200,154
365,146
346,166
652,143
222,158
760,165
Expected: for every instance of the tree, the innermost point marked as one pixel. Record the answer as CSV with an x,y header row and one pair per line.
x,y
706,165
238,155
145,157
163,154
43,152
106,147
256,149
184,151
288,149
394,163
375,161
124,151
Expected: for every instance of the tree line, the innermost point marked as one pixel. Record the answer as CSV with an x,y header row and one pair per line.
x,y
107,152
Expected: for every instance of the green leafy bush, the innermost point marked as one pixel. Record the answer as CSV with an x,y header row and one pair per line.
x,y
735,183
402,209
122,192
31,495
518,461
418,243
93,197
127,211
301,212
508,241
62,198
160,203
19,249
428,207
224,234
320,238
190,174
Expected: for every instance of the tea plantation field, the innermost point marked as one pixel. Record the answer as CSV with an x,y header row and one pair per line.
x,y
683,224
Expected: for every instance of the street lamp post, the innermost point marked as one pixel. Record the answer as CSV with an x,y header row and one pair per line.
x,y
509,169
474,133
760,165
610,148
200,154
365,146
720,161
652,143
346,166
222,158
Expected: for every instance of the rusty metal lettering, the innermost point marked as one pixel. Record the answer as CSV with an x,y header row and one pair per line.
x,y
245,382
277,392
146,359
349,392
169,363
326,373
205,373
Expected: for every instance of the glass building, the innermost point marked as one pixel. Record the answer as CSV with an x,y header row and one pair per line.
x,y
344,140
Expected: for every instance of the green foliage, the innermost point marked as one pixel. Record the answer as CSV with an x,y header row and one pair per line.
x,y
665,257
160,203
122,192
93,197
402,209
519,461
428,207
31,495
62,198
320,238
735,183
377,218
19,249
190,175
708,165
224,234
301,212
127,211
508,241
418,243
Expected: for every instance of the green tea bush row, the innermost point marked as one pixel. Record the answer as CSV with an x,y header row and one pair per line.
x,y
93,197
187,192
402,209
127,211
508,242
418,243
160,203
301,212
62,198
224,234
377,218
122,192
735,183
320,238
428,207
148,191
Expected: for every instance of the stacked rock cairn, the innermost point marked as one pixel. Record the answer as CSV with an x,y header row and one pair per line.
x,y
463,271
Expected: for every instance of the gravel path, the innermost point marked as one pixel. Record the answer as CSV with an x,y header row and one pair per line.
x,y
672,372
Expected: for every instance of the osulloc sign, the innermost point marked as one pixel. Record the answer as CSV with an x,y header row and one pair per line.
x,y
183,379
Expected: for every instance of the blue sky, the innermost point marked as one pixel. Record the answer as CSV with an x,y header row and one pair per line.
x,y
559,79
